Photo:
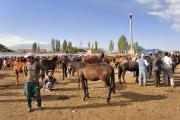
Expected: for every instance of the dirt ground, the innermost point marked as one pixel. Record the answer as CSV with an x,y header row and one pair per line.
x,y
131,102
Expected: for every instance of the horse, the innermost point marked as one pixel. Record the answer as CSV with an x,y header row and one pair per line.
x,y
18,67
127,65
94,72
49,64
63,61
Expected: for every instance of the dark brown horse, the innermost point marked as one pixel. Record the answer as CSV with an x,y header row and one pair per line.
x,y
127,65
94,72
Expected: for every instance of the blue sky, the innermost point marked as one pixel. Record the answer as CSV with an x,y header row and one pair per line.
x,y
156,23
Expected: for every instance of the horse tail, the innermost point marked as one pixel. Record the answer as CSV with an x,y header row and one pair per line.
x,y
112,80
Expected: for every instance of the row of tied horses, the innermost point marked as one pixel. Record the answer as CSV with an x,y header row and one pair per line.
x,y
87,68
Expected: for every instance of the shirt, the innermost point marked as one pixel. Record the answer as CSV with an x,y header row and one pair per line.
x,y
142,63
167,62
33,71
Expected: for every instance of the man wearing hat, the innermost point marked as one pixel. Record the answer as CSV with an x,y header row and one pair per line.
x,y
49,81
33,71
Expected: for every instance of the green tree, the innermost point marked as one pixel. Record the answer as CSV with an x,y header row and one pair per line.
x,y
38,48
89,45
2,47
96,45
69,46
137,48
58,45
122,44
64,46
111,46
34,47
53,44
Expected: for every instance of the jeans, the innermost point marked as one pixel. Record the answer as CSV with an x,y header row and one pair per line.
x,y
142,76
32,90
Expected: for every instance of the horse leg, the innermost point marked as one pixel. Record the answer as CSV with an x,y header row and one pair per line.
x,y
87,92
137,75
119,73
63,73
123,75
84,87
17,75
108,83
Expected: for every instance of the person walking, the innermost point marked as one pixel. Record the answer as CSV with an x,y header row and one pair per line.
x,y
33,70
157,67
167,70
142,70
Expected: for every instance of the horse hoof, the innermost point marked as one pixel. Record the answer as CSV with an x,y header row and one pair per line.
x,y
84,99
108,101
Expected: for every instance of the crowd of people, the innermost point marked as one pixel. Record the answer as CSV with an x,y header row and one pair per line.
x,y
157,64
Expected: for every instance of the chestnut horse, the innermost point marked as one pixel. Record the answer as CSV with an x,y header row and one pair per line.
x,y
94,72
18,66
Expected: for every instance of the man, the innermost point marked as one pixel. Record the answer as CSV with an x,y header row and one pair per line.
x,y
142,70
101,57
149,67
173,58
157,67
167,69
33,71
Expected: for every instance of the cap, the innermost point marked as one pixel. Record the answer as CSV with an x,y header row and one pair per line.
x,y
171,53
50,70
29,55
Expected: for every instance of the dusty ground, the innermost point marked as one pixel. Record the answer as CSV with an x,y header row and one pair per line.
x,y
131,102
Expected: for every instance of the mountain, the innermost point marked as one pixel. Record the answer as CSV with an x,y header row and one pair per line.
x,y
29,46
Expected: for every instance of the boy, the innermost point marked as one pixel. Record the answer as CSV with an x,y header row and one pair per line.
x,y
49,81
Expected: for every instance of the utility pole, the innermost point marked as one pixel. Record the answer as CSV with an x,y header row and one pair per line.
x,y
131,37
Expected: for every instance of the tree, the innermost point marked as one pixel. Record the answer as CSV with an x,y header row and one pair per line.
x,y
137,48
38,48
96,45
58,45
2,47
69,46
53,44
89,45
34,47
64,46
111,46
122,44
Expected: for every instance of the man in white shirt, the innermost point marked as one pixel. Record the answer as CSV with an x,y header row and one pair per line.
x,y
167,69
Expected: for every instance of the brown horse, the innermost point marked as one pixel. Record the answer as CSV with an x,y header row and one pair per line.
x,y
94,72
127,65
18,67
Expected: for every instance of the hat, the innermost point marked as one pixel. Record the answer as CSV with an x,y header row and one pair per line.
x,y
29,55
171,53
50,70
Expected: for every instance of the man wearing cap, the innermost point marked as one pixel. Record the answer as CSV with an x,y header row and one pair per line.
x,y
142,70
33,71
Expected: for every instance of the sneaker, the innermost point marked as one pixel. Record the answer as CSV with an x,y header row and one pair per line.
x,y
29,110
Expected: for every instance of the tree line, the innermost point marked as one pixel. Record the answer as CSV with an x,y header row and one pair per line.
x,y
56,46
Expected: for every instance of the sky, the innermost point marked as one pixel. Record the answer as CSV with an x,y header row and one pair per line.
x,y
156,23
